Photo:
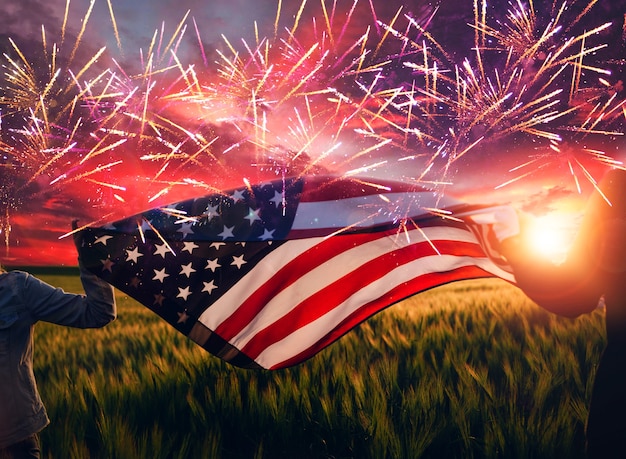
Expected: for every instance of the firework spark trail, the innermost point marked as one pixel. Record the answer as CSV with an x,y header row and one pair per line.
x,y
507,97
482,100
277,76
46,132
125,111
298,102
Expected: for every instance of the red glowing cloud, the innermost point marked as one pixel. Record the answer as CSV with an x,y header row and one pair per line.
x,y
95,132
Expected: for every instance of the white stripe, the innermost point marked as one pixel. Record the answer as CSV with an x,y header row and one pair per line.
x,y
320,277
304,337
263,272
365,211
312,281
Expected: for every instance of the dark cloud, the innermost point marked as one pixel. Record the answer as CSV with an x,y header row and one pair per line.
x,y
22,19
26,22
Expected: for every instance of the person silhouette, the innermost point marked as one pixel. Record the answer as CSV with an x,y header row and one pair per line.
x,y
595,269
24,301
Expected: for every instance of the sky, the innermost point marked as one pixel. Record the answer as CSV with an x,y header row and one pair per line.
x,y
44,189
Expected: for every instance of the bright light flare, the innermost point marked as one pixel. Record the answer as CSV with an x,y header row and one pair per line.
x,y
550,236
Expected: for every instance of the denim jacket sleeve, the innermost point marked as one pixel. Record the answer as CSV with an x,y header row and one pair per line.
x,y
94,309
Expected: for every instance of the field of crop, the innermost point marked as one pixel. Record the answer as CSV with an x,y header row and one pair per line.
x,y
469,370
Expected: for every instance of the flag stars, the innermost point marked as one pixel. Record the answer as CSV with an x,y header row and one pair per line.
x,y
211,212
238,261
267,235
217,245
278,198
212,264
145,226
253,215
238,196
209,287
158,299
185,229
190,247
182,317
133,255
103,239
162,250
135,282
227,232
107,265
160,275
183,293
187,270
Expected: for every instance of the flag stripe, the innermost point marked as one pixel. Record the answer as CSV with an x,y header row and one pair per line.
x,y
229,304
283,267
338,292
274,307
272,360
339,256
320,188
304,337
275,273
359,212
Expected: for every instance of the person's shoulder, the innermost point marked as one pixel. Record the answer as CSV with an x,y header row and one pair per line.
x,y
14,272
15,275
14,281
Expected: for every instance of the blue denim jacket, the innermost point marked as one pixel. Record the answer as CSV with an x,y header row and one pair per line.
x,y
25,300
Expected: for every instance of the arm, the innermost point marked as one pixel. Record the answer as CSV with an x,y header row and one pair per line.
x,y
94,309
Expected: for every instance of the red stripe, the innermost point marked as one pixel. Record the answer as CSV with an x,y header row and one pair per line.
x,y
401,292
287,275
328,298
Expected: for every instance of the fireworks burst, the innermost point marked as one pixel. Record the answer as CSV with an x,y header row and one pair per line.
x,y
520,78
312,96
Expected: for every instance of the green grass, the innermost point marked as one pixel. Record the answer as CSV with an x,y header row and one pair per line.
x,y
469,370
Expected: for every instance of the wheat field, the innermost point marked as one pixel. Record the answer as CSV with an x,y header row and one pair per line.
x,y
468,370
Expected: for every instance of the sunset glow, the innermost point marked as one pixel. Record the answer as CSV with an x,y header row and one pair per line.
x,y
483,102
551,236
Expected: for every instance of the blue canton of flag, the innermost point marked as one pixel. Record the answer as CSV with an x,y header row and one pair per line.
x,y
177,259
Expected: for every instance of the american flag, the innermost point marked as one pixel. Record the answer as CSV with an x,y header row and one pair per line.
x,y
266,276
